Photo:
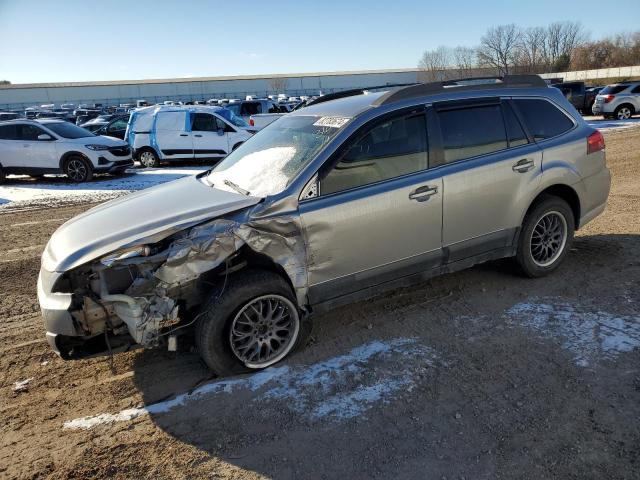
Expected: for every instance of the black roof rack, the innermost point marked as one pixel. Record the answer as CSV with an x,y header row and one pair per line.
x,y
420,89
354,91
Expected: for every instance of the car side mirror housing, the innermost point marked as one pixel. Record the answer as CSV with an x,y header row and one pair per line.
x,y
221,131
43,137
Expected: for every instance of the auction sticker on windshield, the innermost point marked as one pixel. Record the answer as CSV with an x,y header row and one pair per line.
x,y
332,122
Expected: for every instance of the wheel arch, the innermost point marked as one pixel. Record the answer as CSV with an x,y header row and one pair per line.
x,y
149,148
73,153
566,193
627,104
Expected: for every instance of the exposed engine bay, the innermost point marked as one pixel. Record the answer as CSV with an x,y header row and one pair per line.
x,y
148,291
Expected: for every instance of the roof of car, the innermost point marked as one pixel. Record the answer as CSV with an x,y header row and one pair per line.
x,y
359,101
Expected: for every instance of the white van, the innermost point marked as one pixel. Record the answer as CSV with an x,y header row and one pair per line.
x,y
178,133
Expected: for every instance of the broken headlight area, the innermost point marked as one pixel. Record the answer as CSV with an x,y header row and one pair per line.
x,y
147,291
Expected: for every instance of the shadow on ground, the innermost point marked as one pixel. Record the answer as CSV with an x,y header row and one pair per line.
x,y
438,380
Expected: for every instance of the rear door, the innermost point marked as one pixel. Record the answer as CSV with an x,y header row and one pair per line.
x,y
39,154
489,168
210,140
11,154
378,215
172,135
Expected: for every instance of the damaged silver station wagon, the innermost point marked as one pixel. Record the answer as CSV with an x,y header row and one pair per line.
x,y
356,193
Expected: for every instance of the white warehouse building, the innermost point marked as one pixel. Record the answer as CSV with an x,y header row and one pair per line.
x,y
19,96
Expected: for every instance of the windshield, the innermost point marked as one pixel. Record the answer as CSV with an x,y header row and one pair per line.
x,y
271,159
68,130
232,117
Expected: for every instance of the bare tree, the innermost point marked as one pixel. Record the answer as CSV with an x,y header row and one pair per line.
x,y
278,84
5,82
561,40
499,47
530,54
434,64
464,59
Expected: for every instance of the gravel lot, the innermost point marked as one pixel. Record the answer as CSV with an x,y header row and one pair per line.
x,y
480,374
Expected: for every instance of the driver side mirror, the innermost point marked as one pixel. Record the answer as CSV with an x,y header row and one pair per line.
x,y
221,131
43,137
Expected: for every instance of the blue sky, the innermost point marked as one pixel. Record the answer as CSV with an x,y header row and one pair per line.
x,y
79,40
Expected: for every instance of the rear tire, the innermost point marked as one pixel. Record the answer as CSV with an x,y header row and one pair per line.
x,y
546,236
623,112
77,169
148,158
230,329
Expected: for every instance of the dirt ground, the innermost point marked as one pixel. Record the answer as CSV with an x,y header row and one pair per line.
x,y
480,374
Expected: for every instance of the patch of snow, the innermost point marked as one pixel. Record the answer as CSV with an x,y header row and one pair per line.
x,y
22,193
603,125
339,388
22,385
587,335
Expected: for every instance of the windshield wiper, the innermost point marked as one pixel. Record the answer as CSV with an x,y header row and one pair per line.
x,y
237,188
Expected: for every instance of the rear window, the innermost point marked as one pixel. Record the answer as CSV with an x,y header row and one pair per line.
x,y
613,89
469,132
543,119
252,108
8,132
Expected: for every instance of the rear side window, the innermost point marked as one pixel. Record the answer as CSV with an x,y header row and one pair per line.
x,y
473,131
8,132
390,149
636,89
613,89
171,121
515,133
543,119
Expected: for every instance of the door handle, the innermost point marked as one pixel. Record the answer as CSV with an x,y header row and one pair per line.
x,y
25,145
422,194
198,136
184,134
523,165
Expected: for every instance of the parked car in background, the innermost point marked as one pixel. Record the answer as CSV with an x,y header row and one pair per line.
x,y
117,128
620,100
55,146
4,116
334,203
579,95
246,108
178,133
83,115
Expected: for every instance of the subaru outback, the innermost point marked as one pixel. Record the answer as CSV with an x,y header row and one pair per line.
x,y
330,204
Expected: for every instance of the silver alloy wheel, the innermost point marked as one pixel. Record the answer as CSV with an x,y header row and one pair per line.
x,y
624,113
148,159
76,170
264,331
548,238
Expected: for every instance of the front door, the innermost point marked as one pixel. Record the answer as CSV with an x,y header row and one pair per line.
x,y
378,214
209,136
172,135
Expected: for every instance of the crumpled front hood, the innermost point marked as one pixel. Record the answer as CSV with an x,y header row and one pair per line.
x,y
155,212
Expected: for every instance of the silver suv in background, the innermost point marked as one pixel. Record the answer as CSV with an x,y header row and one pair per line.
x,y
329,204
620,100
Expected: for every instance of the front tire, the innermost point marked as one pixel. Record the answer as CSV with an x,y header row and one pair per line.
x,y
546,236
250,324
78,170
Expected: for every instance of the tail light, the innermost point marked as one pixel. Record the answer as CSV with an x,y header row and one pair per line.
x,y
251,122
595,142
608,98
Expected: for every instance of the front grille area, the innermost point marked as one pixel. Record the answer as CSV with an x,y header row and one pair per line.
x,y
120,151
